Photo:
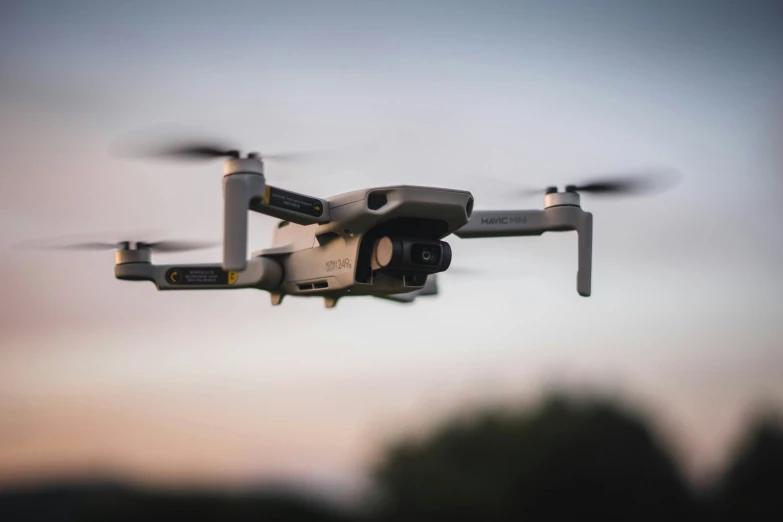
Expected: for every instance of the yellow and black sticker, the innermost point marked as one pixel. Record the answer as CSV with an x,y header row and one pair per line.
x,y
200,276
275,197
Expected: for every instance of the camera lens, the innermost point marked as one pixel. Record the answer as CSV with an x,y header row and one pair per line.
x,y
410,256
425,254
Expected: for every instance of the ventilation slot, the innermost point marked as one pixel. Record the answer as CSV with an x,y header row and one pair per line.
x,y
326,238
313,286
376,200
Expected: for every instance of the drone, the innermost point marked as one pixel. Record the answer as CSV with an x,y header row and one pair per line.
x,y
386,242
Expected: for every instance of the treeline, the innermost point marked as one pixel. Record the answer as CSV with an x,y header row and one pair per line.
x,y
570,457
565,457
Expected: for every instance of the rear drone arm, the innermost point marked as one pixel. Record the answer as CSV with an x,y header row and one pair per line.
x,y
555,218
245,188
261,273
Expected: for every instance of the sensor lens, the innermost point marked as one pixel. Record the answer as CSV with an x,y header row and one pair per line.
x,y
382,253
425,254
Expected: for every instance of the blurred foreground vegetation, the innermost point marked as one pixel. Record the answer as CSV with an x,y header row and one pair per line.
x,y
562,458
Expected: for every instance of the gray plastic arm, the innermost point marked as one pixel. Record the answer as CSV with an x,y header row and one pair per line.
x,y
262,273
238,190
291,206
509,223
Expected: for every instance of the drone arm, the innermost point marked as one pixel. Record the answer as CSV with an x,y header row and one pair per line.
x,y
584,273
291,206
500,223
504,223
261,272
238,190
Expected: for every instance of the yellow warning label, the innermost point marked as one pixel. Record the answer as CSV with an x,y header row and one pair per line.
x,y
292,202
200,276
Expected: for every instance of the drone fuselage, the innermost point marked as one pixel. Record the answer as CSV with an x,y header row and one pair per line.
x,y
332,259
335,258
384,242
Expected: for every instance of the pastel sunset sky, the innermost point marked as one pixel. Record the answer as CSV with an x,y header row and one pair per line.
x,y
103,376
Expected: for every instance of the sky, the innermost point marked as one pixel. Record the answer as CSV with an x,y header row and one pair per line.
x,y
99,375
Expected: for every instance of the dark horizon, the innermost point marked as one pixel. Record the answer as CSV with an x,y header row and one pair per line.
x,y
596,456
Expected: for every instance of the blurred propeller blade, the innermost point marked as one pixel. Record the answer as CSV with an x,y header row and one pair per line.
x,y
195,151
640,183
632,183
48,245
161,246
179,246
182,145
88,246
173,150
166,146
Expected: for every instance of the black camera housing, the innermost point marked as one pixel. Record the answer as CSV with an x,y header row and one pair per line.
x,y
416,256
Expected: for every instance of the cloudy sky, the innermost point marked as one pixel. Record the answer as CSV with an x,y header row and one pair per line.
x,y
98,375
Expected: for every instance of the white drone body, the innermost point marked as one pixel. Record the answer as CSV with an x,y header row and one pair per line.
x,y
385,242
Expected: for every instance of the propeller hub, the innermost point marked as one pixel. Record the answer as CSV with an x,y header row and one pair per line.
x,y
141,254
561,199
252,164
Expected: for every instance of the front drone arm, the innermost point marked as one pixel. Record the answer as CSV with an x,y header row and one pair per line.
x,y
504,223
261,272
244,189
510,223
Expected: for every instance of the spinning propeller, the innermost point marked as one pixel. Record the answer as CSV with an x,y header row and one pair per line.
x,y
245,187
630,184
194,149
163,246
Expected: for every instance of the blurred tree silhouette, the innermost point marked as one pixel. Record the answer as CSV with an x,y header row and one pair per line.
x,y
110,503
752,486
564,458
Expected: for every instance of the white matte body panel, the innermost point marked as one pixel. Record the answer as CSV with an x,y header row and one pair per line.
x,y
321,260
